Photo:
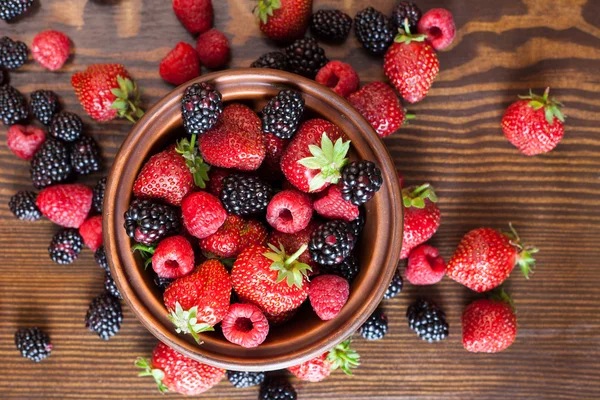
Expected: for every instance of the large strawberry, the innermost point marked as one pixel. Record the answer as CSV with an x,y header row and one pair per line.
x,y
283,20
421,217
319,368
106,91
485,258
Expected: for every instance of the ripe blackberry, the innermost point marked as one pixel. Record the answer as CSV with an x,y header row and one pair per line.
x,y
360,181
245,195
147,222
273,60
44,105
65,246
331,242
13,107
376,326
22,205
85,155
427,320
374,30
358,224
104,316
33,343
10,9
98,199
404,10
245,379
281,116
332,25
201,106
51,164
66,126
395,286
111,286
100,257
347,269
305,57
13,54
162,283
277,388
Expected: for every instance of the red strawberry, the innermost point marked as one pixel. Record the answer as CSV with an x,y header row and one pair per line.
x,y
106,91
485,258
293,241
303,162
200,300
227,241
328,294
245,325
281,318
425,266
319,368
411,65
24,141
66,205
289,211
253,233
236,141
283,20
91,232
215,182
212,48
333,206
195,15
173,258
534,124
175,372
202,214
421,217
180,64
51,49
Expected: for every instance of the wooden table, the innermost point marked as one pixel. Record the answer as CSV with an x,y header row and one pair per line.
x,y
502,49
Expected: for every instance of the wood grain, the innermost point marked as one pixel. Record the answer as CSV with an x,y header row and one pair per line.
x,y
502,49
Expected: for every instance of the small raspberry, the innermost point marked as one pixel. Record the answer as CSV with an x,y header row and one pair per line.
x,y
180,64
66,205
202,214
425,266
215,183
333,206
91,232
51,49
289,211
245,325
213,49
24,141
173,258
340,77
438,25
195,15
327,295
227,241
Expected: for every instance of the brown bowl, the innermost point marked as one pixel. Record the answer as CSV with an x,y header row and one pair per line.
x,y
305,336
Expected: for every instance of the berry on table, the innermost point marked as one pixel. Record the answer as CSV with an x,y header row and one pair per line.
x,y
438,25
360,181
421,216
13,54
22,205
33,343
67,205
376,326
347,269
195,15
427,320
281,115
374,30
13,106
213,49
202,214
25,141
425,266
406,10
320,367
306,57
173,258
276,388
395,287
331,25
333,206
241,379
51,49
180,64
331,242
289,211
85,155
65,246
104,316
91,232
44,105
66,126
10,9
245,325
111,286
100,258
340,77
245,195
148,222
98,199
328,294
273,60
201,106
283,20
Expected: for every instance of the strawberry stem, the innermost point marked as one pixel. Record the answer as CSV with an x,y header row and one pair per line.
x,y
156,373
551,106
291,259
404,35
415,197
342,356
199,169
524,258
288,267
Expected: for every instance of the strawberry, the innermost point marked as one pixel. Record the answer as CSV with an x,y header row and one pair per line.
x,y
319,368
106,91
289,211
195,15
212,49
253,233
278,319
234,236
51,49
421,217
534,124
66,205
312,168
411,65
215,182
180,64
333,206
283,20
91,232
202,214
24,141
328,294
292,242
200,300
173,258
274,148
485,258
175,372
245,325
236,141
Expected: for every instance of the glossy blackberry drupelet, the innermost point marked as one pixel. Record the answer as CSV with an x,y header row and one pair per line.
x,y
100,257
33,343
162,283
85,155
404,10
13,54
51,164
22,205
331,25
10,9
376,326
104,316
245,195
13,106
306,57
245,379
427,320
98,199
374,30
66,126
277,388
331,242
360,181
281,115
347,269
201,106
65,246
358,224
273,60
44,105
395,287
111,286
147,222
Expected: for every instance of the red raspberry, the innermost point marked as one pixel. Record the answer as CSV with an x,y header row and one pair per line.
x,y
425,266
438,25
340,77
202,214
213,49
66,205
173,258
91,232
180,65
327,295
51,49
195,15
378,103
289,211
332,206
245,325
24,141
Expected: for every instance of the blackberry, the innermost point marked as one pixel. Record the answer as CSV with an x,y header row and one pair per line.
x,y
332,25
281,116
100,257
98,199
277,388
395,286
22,205
65,246
13,54
85,155
331,242
66,126
3,76
427,320
245,195
404,10
273,60
376,326
104,316
245,379
347,269
305,57
111,286
13,107
51,164
374,30
201,106
360,181
147,222
33,343
358,224
162,283
44,105
10,9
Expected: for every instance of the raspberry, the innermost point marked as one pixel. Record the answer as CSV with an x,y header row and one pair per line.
x,y
328,295
66,205
202,214
289,211
425,266
173,258
245,325
24,141
51,49
213,49
340,77
438,25
180,64
333,206
195,15
91,232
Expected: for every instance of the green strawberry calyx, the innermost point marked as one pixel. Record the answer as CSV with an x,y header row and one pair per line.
x,y
329,159
287,266
157,374
524,259
264,9
501,296
551,106
145,251
416,196
187,322
343,357
404,35
195,163
128,100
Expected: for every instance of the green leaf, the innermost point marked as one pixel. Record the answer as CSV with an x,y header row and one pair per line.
x,y
310,162
119,93
549,115
119,105
318,181
327,145
418,203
